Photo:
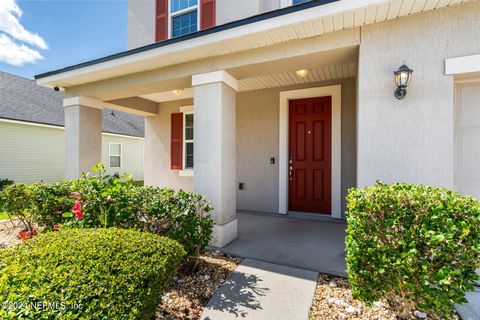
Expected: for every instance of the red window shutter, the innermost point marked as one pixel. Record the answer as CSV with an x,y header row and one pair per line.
x,y
207,14
176,146
161,20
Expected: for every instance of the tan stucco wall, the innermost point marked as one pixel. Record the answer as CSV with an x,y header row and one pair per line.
x,y
412,140
141,23
157,148
231,10
141,16
269,5
258,141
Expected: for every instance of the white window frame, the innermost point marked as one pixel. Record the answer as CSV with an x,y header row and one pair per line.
x,y
172,15
115,155
186,172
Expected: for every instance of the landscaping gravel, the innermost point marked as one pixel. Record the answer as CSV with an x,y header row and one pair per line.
x,y
9,233
333,300
188,294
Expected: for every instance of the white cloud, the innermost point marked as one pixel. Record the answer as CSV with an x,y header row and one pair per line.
x,y
15,39
17,54
10,23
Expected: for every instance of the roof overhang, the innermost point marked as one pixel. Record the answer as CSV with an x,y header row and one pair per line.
x,y
198,45
310,19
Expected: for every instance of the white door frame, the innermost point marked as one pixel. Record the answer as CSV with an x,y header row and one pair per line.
x,y
285,96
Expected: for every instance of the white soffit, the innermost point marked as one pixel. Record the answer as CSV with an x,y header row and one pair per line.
x,y
284,79
311,22
169,95
326,73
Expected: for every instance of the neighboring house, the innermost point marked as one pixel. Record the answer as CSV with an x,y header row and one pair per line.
x,y
275,106
32,134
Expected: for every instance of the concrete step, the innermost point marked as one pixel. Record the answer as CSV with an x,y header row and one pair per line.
x,y
263,291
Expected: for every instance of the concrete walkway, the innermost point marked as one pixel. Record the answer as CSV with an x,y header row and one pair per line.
x,y
263,291
471,309
305,243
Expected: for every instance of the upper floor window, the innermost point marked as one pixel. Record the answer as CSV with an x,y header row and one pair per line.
x,y
183,17
178,5
175,18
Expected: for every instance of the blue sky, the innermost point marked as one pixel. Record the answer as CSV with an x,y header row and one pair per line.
x,y
73,30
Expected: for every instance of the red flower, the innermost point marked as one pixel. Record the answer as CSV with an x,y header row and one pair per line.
x,y
77,207
57,227
77,210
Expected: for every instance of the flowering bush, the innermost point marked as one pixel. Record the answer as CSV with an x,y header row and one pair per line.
x,y
416,246
103,201
87,274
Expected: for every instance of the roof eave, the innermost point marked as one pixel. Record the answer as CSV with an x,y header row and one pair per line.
x,y
260,23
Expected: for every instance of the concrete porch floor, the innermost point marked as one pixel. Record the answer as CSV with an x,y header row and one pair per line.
x,y
300,241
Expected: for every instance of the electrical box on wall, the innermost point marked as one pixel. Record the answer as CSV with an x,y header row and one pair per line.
x,y
272,160
240,186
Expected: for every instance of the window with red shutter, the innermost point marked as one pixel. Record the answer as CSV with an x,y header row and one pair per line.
x,y
161,20
207,14
176,145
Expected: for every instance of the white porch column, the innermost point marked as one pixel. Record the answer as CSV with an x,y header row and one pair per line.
x,y
83,135
215,149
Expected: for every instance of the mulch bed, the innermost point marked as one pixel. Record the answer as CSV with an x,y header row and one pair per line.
x,y
189,293
333,300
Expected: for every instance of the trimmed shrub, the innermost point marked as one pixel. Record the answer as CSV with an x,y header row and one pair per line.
x,y
87,274
414,245
16,200
183,216
50,202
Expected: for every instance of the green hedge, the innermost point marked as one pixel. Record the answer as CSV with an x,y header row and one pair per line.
x,y
16,201
4,183
113,201
87,274
412,244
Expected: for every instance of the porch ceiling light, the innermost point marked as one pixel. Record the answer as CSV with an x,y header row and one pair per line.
x,y
302,73
177,92
402,79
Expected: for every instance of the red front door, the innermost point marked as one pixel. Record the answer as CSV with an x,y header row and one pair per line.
x,y
310,155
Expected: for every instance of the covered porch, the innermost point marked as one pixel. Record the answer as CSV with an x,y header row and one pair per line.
x,y
220,126
299,241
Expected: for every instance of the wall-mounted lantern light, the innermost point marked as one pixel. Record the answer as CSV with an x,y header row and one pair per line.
x,y
402,79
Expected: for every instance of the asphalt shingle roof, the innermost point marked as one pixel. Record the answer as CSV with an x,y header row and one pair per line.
x,y
23,100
